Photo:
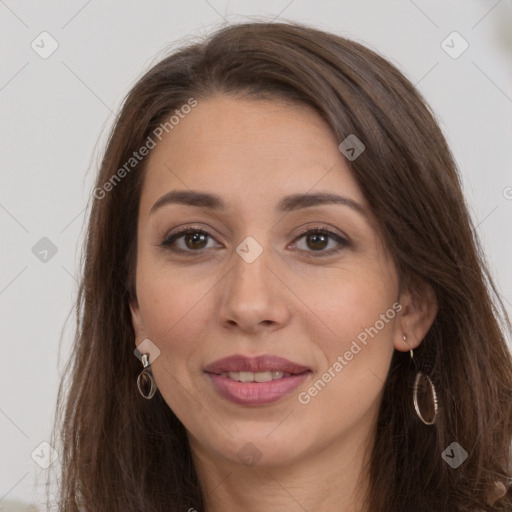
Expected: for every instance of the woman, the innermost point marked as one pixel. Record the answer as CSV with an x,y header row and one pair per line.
x,y
278,234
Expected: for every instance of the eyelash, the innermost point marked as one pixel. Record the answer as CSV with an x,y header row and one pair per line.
x,y
169,240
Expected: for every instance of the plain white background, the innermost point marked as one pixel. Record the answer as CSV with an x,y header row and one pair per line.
x,y
56,112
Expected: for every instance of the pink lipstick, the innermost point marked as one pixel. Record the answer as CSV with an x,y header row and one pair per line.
x,y
255,381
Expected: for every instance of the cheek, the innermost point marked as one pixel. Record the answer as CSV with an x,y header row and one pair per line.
x,y
175,309
173,321
356,353
172,299
356,325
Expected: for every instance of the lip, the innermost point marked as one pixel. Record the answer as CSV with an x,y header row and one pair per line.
x,y
265,363
256,393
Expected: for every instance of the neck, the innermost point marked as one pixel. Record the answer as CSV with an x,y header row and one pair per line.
x,y
332,479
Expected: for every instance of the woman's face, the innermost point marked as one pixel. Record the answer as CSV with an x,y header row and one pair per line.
x,y
247,281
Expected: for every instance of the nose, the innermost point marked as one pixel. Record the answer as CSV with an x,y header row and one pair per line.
x,y
254,297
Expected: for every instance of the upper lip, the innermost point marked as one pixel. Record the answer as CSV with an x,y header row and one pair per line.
x,y
265,363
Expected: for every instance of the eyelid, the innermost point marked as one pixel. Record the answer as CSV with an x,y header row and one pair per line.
x,y
322,228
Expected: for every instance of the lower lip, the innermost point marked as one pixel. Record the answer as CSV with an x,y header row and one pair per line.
x,y
256,393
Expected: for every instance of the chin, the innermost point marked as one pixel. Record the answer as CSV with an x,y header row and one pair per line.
x,y
256,448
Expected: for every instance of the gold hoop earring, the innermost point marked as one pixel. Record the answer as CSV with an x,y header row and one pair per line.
x,y
433,393
145,380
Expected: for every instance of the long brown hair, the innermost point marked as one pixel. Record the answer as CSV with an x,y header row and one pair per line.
x,y
120,452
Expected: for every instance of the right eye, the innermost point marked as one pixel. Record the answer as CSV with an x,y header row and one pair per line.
x,y
187,240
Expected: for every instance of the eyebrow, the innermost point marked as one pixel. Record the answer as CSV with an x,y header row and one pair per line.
x,y
287,204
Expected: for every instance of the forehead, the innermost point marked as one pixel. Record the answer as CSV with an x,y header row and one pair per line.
x,y
248,150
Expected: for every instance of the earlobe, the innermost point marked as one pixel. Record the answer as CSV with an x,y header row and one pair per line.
x,y
416,318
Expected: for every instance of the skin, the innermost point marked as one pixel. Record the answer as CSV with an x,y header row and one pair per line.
x,y
199,308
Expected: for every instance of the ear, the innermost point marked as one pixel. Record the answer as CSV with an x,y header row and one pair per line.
x,y
418,313
137,323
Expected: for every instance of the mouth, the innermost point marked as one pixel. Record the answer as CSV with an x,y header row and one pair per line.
x,y
255,380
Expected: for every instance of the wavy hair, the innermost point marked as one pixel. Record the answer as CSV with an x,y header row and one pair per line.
x,y
121,453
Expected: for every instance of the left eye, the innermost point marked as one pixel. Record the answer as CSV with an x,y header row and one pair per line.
x,y
195,240
318,239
